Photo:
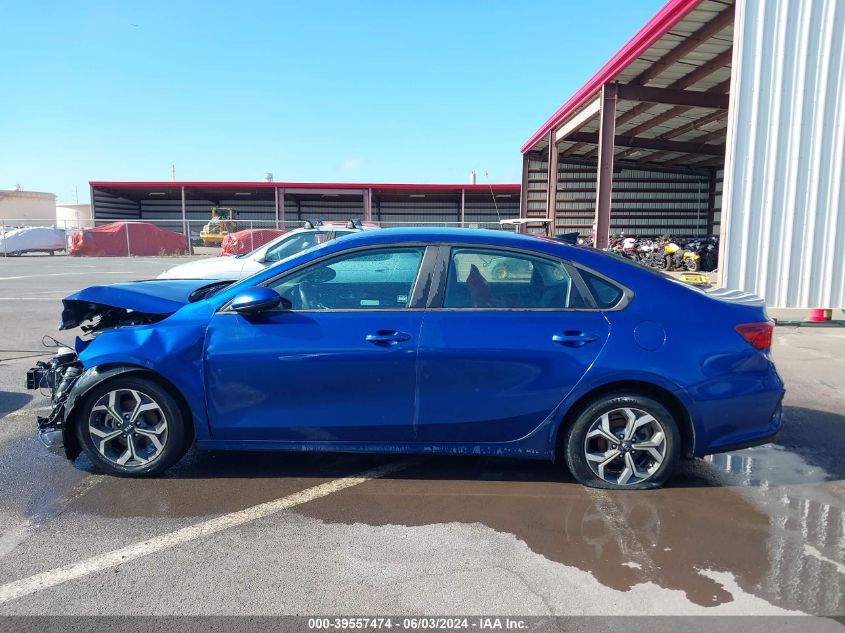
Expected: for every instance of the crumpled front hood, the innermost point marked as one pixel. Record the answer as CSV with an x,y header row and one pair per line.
x,y
156,298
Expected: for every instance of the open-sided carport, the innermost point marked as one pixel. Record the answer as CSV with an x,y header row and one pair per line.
x,y
277,204
640,147
718,116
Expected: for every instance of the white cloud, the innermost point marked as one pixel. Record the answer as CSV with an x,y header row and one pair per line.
x,y
351,164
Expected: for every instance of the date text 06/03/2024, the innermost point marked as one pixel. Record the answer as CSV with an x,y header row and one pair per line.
x,y
417,623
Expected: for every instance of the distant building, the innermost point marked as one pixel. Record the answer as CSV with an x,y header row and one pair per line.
x,y
73,216
27,208
287,204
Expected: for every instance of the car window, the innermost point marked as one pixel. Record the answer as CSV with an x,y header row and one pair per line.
x,y
363,280
606,294
295,243
489,278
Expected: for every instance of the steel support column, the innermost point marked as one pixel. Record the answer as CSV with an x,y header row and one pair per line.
x,y
523,189
280,207
711,202
551,191
463,206
604,171
185,226
368,205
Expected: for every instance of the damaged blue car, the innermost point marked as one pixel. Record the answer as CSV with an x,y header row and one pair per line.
x,y
405,341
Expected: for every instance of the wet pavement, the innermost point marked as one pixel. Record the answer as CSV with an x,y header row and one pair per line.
x,y
760,531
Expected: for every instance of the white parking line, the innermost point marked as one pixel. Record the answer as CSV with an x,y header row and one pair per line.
x,y
32,584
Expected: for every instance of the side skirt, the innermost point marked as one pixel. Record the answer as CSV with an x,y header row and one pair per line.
x,y
514,449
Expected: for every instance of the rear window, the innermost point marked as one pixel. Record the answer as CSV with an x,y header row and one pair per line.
x,y
606,294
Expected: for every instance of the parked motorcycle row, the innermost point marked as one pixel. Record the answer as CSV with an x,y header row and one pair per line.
x,y
699,254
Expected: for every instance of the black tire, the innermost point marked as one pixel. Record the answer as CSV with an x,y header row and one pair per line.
x,y
574,448
175,442
692,265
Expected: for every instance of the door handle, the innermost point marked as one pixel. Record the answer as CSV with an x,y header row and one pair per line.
x,y
574,338
387,337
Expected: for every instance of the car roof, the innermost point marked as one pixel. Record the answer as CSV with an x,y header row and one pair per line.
x,y
493,237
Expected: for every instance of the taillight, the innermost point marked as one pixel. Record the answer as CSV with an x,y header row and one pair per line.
x,y
758,335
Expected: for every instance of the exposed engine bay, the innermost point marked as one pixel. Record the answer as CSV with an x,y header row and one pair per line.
x,y
103,317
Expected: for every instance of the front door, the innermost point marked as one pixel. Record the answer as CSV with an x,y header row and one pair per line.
x,y
340,366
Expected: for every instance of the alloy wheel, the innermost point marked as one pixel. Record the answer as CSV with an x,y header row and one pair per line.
x,y
625,446
128,428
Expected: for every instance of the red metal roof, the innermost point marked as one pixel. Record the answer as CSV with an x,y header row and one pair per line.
x,y
669,15
304,185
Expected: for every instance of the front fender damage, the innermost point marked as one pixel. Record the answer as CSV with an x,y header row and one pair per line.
x,y
68,382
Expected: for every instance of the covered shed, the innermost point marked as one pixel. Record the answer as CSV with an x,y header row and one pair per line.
x,y
287,204
717,117
640,148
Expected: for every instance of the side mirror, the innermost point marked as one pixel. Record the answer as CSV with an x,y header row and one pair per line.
x,y
257,299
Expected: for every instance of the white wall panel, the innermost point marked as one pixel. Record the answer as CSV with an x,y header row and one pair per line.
x,y
783,219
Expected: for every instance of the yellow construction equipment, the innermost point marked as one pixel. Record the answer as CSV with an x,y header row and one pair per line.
x,y
222,222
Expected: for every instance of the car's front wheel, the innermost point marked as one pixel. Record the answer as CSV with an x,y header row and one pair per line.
x,y
131,427
622,441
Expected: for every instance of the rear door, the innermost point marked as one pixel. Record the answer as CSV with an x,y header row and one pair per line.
x,y
510,335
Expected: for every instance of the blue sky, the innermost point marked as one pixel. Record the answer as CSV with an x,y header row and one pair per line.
x,y
311,91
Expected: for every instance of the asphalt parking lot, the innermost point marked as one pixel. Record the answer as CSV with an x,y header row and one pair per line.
x,y
760,531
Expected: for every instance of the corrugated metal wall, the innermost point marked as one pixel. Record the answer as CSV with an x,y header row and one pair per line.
x,y
644,201
783,220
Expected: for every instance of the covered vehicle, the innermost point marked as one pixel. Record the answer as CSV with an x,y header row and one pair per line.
x,y
398,341
247,264
242,242
121,239
33,239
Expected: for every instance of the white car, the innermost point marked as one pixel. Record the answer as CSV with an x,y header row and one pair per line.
x,y
240,266
33,239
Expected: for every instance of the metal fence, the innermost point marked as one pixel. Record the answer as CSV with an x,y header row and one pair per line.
x,y
167,237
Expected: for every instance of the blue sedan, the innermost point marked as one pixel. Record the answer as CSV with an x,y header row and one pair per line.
x,y
404,341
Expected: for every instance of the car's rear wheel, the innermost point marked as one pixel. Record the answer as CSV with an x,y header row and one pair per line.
x,y
131,427
622,441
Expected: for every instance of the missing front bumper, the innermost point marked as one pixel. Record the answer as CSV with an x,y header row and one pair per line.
x,y
53,440
58,375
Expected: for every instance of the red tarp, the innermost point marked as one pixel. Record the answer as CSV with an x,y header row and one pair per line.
x,y
244,241
110,240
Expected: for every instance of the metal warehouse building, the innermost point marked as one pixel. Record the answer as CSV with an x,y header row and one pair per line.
x,y
175,205
717,117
